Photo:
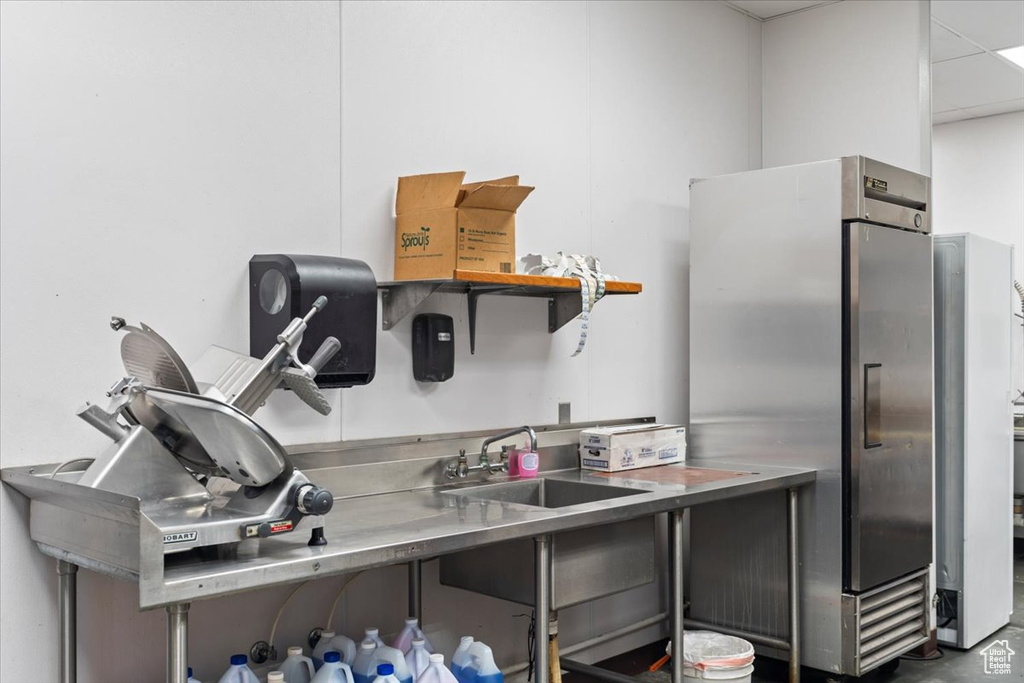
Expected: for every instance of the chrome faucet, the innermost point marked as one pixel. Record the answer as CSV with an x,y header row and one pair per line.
x,y
461,468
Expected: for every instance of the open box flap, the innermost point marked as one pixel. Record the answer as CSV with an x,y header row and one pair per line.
x,y
428,191
498,197
470,187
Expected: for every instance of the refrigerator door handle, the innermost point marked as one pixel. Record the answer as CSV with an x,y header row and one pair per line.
x,y
872,405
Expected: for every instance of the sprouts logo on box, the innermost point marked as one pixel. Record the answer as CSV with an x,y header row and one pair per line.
x,y
416,239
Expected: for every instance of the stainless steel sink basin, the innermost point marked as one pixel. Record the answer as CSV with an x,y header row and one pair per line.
x,y
586,564
545,493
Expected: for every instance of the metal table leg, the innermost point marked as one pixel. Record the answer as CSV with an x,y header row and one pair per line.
x,y
67,608
794,587
541,607
676,520
415,590
177,643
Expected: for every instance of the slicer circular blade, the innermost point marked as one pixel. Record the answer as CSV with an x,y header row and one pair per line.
x,y
172,433
147,356
215,436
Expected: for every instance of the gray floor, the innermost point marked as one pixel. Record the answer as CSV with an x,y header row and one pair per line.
x,y
956,666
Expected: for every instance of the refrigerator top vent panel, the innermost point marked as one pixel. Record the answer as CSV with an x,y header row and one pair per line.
x,y
880,193
876,192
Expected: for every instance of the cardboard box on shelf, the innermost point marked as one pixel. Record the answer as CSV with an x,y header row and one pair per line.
x,y
442,225
629,447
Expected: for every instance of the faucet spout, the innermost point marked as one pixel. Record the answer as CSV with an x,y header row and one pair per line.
x,y
460,469
525,429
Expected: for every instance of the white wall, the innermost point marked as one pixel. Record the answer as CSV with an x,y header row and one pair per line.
x,y
607,112
148,149
849,78
978,187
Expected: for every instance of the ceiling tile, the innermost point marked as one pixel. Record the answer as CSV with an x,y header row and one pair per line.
x,y
976,80
993,24
948,45
997,108
767,9
949,117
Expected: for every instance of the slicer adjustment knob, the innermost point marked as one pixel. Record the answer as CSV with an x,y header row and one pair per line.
x,y
313,500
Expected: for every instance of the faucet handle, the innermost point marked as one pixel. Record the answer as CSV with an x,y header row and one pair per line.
x,y
459,468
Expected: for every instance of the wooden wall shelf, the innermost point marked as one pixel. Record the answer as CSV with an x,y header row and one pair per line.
x,y
399,298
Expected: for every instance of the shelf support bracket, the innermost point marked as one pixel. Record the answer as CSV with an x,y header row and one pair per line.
x,y
471,298
562,308
397,301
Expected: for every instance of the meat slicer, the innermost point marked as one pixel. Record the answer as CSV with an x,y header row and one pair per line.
x,y
186,445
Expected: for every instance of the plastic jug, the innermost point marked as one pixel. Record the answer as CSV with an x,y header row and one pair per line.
x,y
276,677
385,674
412,630
335,643
482,668
321,647
389,655
417,659
239,671
461,658
373,634
436,672
191,679
296,668
363,668
334,670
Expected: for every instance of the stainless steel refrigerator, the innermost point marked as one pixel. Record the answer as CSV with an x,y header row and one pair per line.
x,y
811,345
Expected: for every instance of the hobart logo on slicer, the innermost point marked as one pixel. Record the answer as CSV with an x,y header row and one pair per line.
x,y
181,537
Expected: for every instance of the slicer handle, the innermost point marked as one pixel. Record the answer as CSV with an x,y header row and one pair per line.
x,y
328,348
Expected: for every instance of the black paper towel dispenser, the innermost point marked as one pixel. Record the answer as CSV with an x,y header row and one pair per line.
x,y
284,286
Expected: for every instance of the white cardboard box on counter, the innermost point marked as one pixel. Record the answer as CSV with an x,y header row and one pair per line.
x,y
629,447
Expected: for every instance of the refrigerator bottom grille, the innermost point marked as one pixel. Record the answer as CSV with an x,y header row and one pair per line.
x,y
885,622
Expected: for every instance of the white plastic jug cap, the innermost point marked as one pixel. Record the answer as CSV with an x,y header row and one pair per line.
x,y
275,677
295,650
412,621
436,657
324,635
466,641
372,631
419,642
367,645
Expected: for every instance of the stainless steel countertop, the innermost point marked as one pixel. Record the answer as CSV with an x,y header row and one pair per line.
x,y
392,504
390,528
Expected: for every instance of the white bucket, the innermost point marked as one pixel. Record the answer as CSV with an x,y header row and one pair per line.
x,y
712,656
741,675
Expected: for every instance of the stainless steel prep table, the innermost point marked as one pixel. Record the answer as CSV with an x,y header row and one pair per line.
x,y
107,533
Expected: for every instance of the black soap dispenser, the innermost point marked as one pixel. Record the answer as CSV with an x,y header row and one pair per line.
x,y
433,347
